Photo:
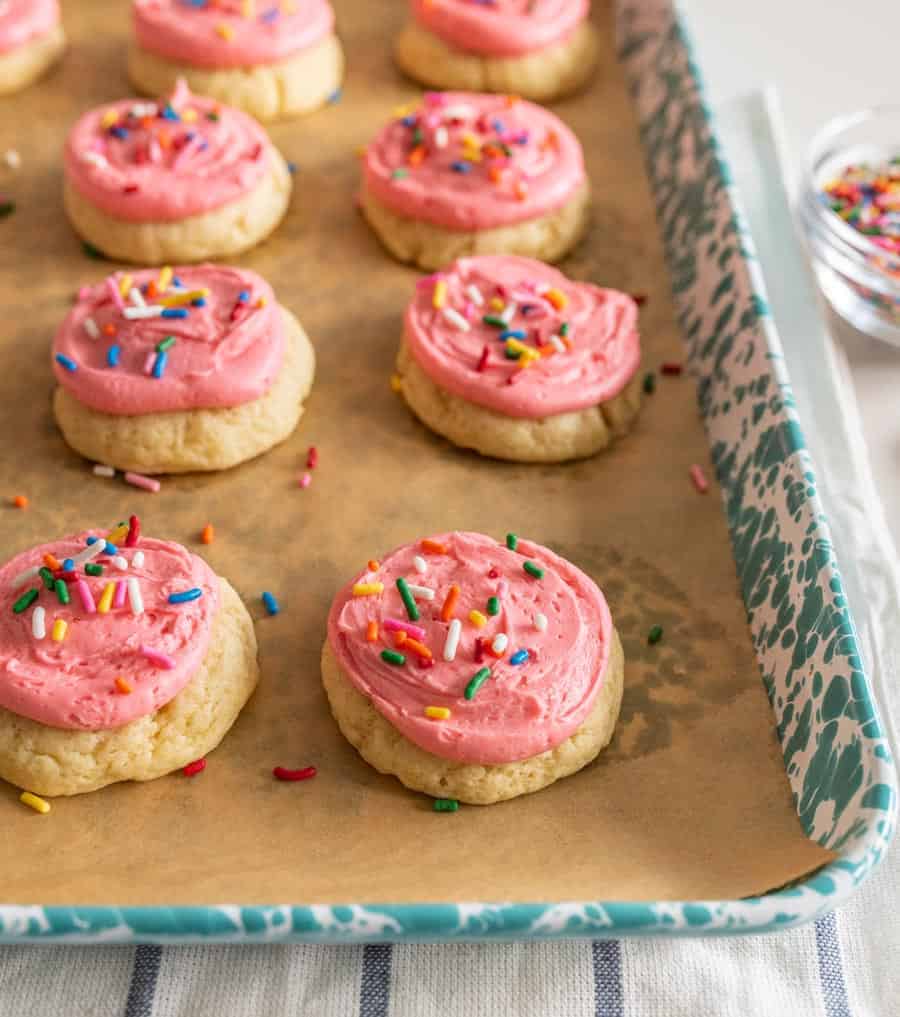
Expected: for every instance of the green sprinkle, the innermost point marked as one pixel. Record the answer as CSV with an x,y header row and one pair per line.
x,y
655,634
493,605
512,541
418,137
93,569
26,600
533,570
446,805
477,681
493,319
212,116
392,657
564,328
7,208
408,602
91,251
47,576
400,173
165,344
62,591
650,383
513,354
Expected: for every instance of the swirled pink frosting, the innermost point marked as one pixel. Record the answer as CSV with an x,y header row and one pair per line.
x,y
589,347
23,21
523,709
72,684
468,161
230,33
226,352
161,162
501,28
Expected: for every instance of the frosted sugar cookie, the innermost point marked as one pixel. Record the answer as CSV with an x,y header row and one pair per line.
x,y
473,670
167,372
475,174
507,356
538,49
270,58
31,41
178,180
121,658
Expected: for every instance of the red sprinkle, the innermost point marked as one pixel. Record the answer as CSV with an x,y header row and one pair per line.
x,y
493,573
639,298
192,769
670,367
305,774
699,478
134,531
312,457
482,363
479,650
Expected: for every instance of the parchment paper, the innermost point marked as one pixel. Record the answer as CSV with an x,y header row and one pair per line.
x,y
690,800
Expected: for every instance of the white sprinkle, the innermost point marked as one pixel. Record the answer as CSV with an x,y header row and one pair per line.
x,y
474,294
151,311
120,563
455,318
421,591
138,559
134,596
94,158
103,471
420,565
451,644
38,623
90,326
458,112
557,344
12,159
508,313
91,551
540,622
23,577
441,137
137,298
501,641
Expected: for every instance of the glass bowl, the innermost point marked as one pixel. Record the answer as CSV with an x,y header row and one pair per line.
x,y
860,279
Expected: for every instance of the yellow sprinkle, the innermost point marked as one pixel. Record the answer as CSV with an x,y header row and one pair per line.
x,y
497,304
189,115
367,589
125,285
225,31
109,118
403,111
33,802
396,383
471,154
437,712
558,299
470,139
261,302
117,534
477,619
58,632
439,296
165,278
105,601
183,298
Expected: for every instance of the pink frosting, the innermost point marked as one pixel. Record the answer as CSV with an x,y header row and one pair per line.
x,y
501,28
23,21
522,709
72,684
226,352
161,162
467,161
230,33
597,329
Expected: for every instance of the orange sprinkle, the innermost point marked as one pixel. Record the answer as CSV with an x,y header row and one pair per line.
x,y
433,546
152,291
208,534
521,190
51,562
164,137
146,123
123,686
373,565
449,608
496,174
20,501
557,298
261,302
400,638
109,328
416,155
372,632
420,648
511,100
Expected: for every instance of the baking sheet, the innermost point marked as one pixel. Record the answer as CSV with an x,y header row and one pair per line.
x,y
690,800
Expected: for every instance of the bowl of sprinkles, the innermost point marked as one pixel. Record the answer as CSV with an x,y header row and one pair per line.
x,y
850,208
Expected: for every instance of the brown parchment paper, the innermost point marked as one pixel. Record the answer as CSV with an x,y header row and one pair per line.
x,y
690,800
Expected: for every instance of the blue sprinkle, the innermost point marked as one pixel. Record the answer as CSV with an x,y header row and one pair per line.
x,y
66,362
109,548
159,365
169,114
292,168
512,333
335,96
174,312
270,15
68,565
91,540
460,167
119,132
519,657
175,280
244,296
497,124
112,356
271,603
199,302
182,598
410,121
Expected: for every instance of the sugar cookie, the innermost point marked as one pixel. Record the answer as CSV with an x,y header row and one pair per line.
x,y
31,40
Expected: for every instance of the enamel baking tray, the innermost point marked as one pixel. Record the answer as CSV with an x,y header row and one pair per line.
x,y
835,754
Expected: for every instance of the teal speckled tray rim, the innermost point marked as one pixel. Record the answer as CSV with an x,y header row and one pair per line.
x,y
835,751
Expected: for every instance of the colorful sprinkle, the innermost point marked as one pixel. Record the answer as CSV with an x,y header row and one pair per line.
x,y
195,594
26,600
192,769
422,592
20,502
409,603
540,622
66,362
85,596
477,619
698,477
123,686
38,623
270,603
439,294
533,570
367,589
419,564
396,625
437,713
281,773
493,606
58,632
62,591
512,541
451,644
649,383
157,657
445,805
478,679
34,802
372,632
500,643
655,634
392,657
433,546
145,483
519,657
671,368
135,599
106,597
207,534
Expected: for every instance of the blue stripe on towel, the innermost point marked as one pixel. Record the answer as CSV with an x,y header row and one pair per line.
x,y
607,958
144,975
831,967
375,986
